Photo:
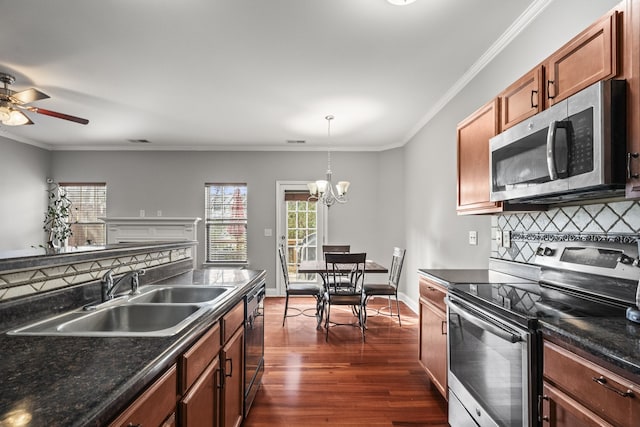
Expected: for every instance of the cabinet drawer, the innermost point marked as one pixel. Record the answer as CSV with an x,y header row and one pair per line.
x,y
155,405
232,321
608,395
433,293
194,361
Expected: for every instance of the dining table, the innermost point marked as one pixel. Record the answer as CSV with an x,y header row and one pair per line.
x,y
319,267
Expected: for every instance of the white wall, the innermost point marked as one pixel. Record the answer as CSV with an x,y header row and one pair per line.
x,y
435,236
23,173
174,183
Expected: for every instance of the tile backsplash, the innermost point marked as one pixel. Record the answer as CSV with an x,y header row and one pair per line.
x,y
611,221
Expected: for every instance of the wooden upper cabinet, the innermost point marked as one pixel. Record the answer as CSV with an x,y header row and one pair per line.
x,y
522,99
589,57
473,160
631,71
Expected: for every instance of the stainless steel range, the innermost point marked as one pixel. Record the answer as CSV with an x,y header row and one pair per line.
x,y
495,357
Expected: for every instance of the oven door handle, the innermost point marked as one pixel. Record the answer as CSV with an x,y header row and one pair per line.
x,y
484,324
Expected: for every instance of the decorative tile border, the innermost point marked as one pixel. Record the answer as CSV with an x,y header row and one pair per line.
x,y
27,282
613,222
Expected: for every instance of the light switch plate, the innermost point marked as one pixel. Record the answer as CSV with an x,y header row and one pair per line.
x,y
473,238
268,232
506,239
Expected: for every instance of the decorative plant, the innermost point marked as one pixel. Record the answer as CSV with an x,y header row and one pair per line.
x,y
57,215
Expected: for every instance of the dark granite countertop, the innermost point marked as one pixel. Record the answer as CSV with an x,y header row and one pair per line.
x,y
450,276
614,340
79,381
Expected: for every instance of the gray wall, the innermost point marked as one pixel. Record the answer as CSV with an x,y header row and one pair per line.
x,y
23,173
435,236
174,183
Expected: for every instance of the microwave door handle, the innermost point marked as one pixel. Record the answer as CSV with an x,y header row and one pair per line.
x,y
551,150
484,324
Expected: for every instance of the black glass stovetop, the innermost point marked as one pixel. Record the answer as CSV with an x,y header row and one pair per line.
x,y
526,303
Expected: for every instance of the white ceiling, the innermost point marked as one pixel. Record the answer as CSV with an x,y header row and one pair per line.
x,y
243,74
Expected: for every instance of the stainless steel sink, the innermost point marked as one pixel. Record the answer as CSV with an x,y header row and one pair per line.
x,y
159,310
124,320
180,295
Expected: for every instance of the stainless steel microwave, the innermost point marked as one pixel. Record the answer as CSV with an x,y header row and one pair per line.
x,y
573,150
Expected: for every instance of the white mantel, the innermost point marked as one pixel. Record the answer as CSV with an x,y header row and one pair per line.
x,y
149,229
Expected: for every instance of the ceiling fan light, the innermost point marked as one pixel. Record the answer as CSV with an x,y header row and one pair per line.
x,y
5,113
16,118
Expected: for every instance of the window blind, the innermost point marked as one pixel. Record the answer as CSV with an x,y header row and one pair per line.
x,y
88,202
226,223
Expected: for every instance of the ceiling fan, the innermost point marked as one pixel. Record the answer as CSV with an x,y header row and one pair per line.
x,y
12,102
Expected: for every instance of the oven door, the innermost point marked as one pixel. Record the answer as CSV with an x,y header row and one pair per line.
x,y
490,375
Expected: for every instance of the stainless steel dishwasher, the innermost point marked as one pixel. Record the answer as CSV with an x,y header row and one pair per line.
x,y
254,343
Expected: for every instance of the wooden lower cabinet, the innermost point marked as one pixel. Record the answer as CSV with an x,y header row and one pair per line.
x,y
580,392
155,407
433,329
204,388
199,382
232,393
199,406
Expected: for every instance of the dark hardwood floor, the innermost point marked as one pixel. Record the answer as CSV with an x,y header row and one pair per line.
x,y
309,382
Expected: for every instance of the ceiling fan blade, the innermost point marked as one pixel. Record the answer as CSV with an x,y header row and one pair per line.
x,y
29,95
57,115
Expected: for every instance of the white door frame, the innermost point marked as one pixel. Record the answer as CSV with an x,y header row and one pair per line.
x,y
281,187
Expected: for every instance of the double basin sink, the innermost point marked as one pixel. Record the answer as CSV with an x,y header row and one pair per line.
x,y
158,310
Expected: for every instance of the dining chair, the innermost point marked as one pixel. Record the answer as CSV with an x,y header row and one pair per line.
x,y
345,294
336,248
342,249
389,289
299,289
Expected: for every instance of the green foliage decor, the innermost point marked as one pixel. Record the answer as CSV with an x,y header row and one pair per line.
x,y
56,216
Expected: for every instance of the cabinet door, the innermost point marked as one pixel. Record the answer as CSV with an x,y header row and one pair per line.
x,y
233,381
473,160
588,58
601,391
560,410
198,408
522,99
155,405
631,60
433,345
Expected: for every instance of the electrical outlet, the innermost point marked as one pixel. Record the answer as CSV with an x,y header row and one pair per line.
x,y
268,232
473,238
159,213
506,239
141,212
499,238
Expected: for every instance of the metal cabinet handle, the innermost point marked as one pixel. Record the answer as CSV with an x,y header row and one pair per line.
x,y
443,328
603,382
230,374
541,416
549,83
629,157
534,92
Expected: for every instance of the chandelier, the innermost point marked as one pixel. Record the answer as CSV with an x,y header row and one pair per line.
x,y
323,190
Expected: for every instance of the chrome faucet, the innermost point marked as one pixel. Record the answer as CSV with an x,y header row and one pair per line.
x,y
109,287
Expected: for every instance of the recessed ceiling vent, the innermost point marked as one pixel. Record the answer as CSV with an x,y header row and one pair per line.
x,y
296,141
139,141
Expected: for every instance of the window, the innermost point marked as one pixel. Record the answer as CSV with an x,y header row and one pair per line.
x,y
301,232
226,223
88,202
